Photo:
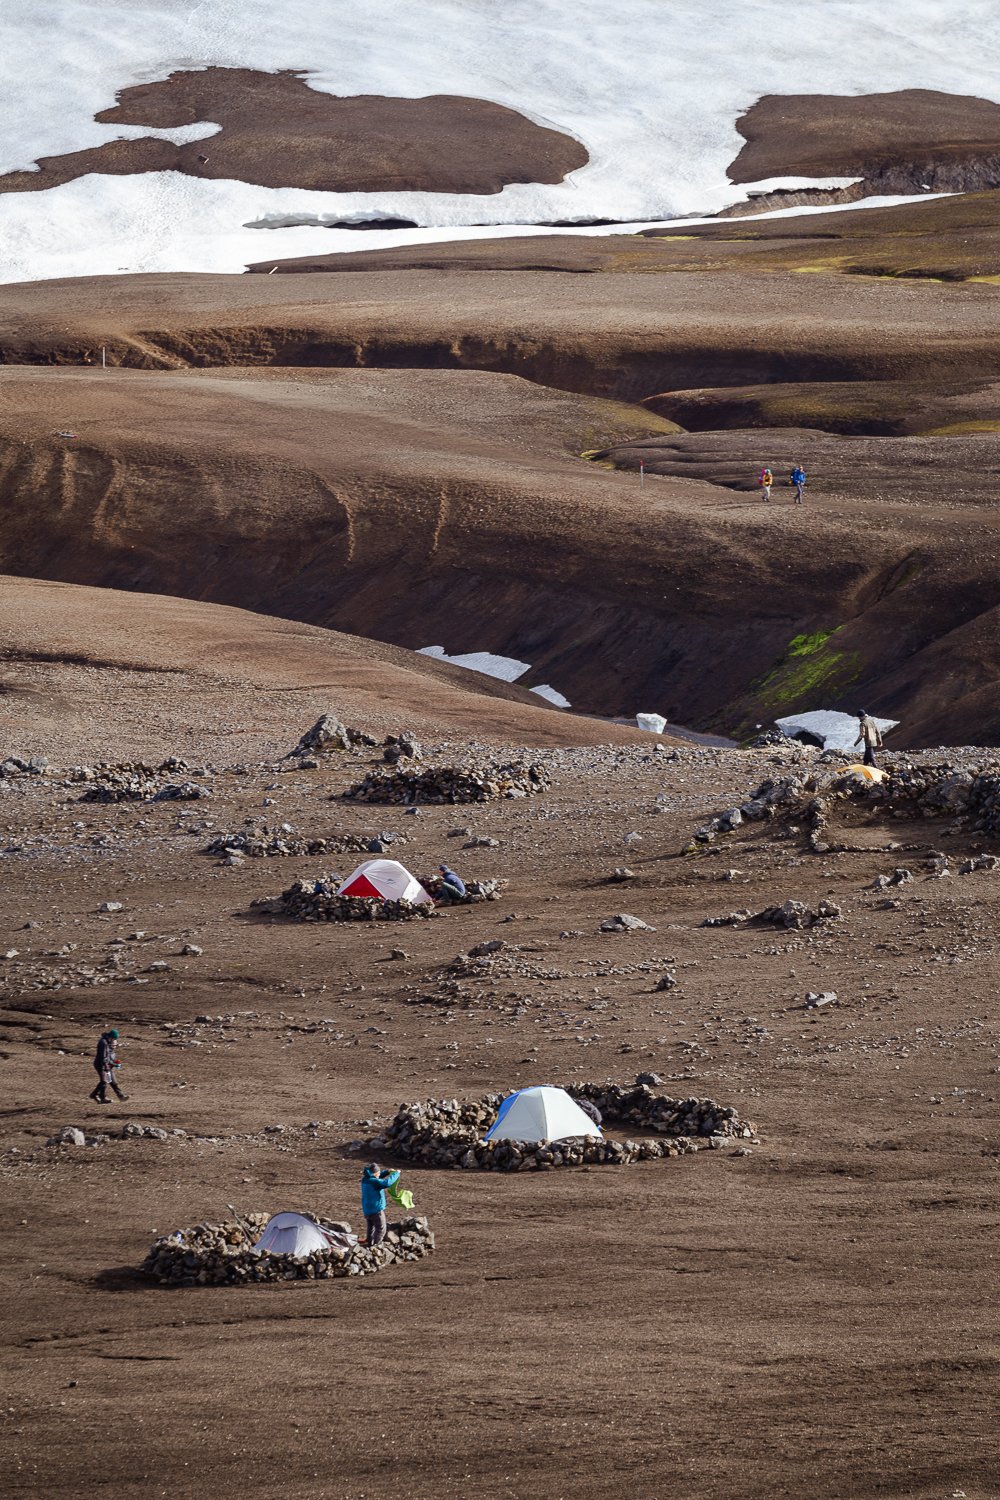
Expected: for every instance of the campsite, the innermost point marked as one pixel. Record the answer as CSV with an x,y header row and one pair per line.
x,y
264,1055
499,749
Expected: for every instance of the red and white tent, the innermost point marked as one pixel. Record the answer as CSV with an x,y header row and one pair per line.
x,y
384,880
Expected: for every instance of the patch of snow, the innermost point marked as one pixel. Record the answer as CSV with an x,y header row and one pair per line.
x,y
655,723
553,697
659,126
838,731
506,668
97,226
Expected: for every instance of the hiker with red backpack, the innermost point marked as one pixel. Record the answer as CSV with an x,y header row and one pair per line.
x,y
765,480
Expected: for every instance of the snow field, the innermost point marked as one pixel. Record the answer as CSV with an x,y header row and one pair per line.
x,y
653,91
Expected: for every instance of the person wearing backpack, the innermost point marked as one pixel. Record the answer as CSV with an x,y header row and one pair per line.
x,y
765,480
105,1063
798,480
870,736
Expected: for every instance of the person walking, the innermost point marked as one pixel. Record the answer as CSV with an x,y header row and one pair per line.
x,y
374,1183
870,736
798,478
105,1062
765,480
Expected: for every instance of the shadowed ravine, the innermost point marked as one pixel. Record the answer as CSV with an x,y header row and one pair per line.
x,y
443,508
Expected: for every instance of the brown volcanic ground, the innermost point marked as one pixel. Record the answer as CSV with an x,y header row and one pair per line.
x,y
97,675
814,1318
626,336
951,239
278,132
452,508
897,142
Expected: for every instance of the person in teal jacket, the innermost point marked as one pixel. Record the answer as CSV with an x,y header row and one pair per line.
x,y
374,1183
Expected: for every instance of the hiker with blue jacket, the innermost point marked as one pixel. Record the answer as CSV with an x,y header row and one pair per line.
x,y
798,480
449,888
374,1184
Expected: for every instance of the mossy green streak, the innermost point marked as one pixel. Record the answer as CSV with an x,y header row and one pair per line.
x,y
808,664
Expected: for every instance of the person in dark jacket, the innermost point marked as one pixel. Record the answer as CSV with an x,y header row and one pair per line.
x,y
450,887
374,1183
105,1062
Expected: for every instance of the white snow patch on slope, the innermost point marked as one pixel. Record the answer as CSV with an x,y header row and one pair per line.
x,y
653,91
506,668
97,226
551,695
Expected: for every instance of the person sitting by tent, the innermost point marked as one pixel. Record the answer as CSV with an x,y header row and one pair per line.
x,y
798,481
106,1061
449,888
870,736
374,1185
590,1110
765,481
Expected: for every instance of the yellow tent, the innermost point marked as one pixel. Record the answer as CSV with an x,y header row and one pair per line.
x,y
870,773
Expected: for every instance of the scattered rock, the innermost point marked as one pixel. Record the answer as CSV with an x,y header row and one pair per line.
x,y
792,914
624,922
404,746
979,862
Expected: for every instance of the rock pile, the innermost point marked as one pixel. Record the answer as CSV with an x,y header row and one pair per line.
x,y
791,914
317,901
258,841
447,1133
328,733
223,1255
404,746
938,789
475,891
486,782
134,781
14,766
933,789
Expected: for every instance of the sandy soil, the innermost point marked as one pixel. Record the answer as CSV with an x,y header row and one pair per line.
x,y
813,1318
624,337
92,675
278,132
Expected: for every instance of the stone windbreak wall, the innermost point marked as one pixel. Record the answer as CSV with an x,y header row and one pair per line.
x,y
448,1133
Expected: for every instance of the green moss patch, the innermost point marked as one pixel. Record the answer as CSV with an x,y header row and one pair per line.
x,y
809,664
